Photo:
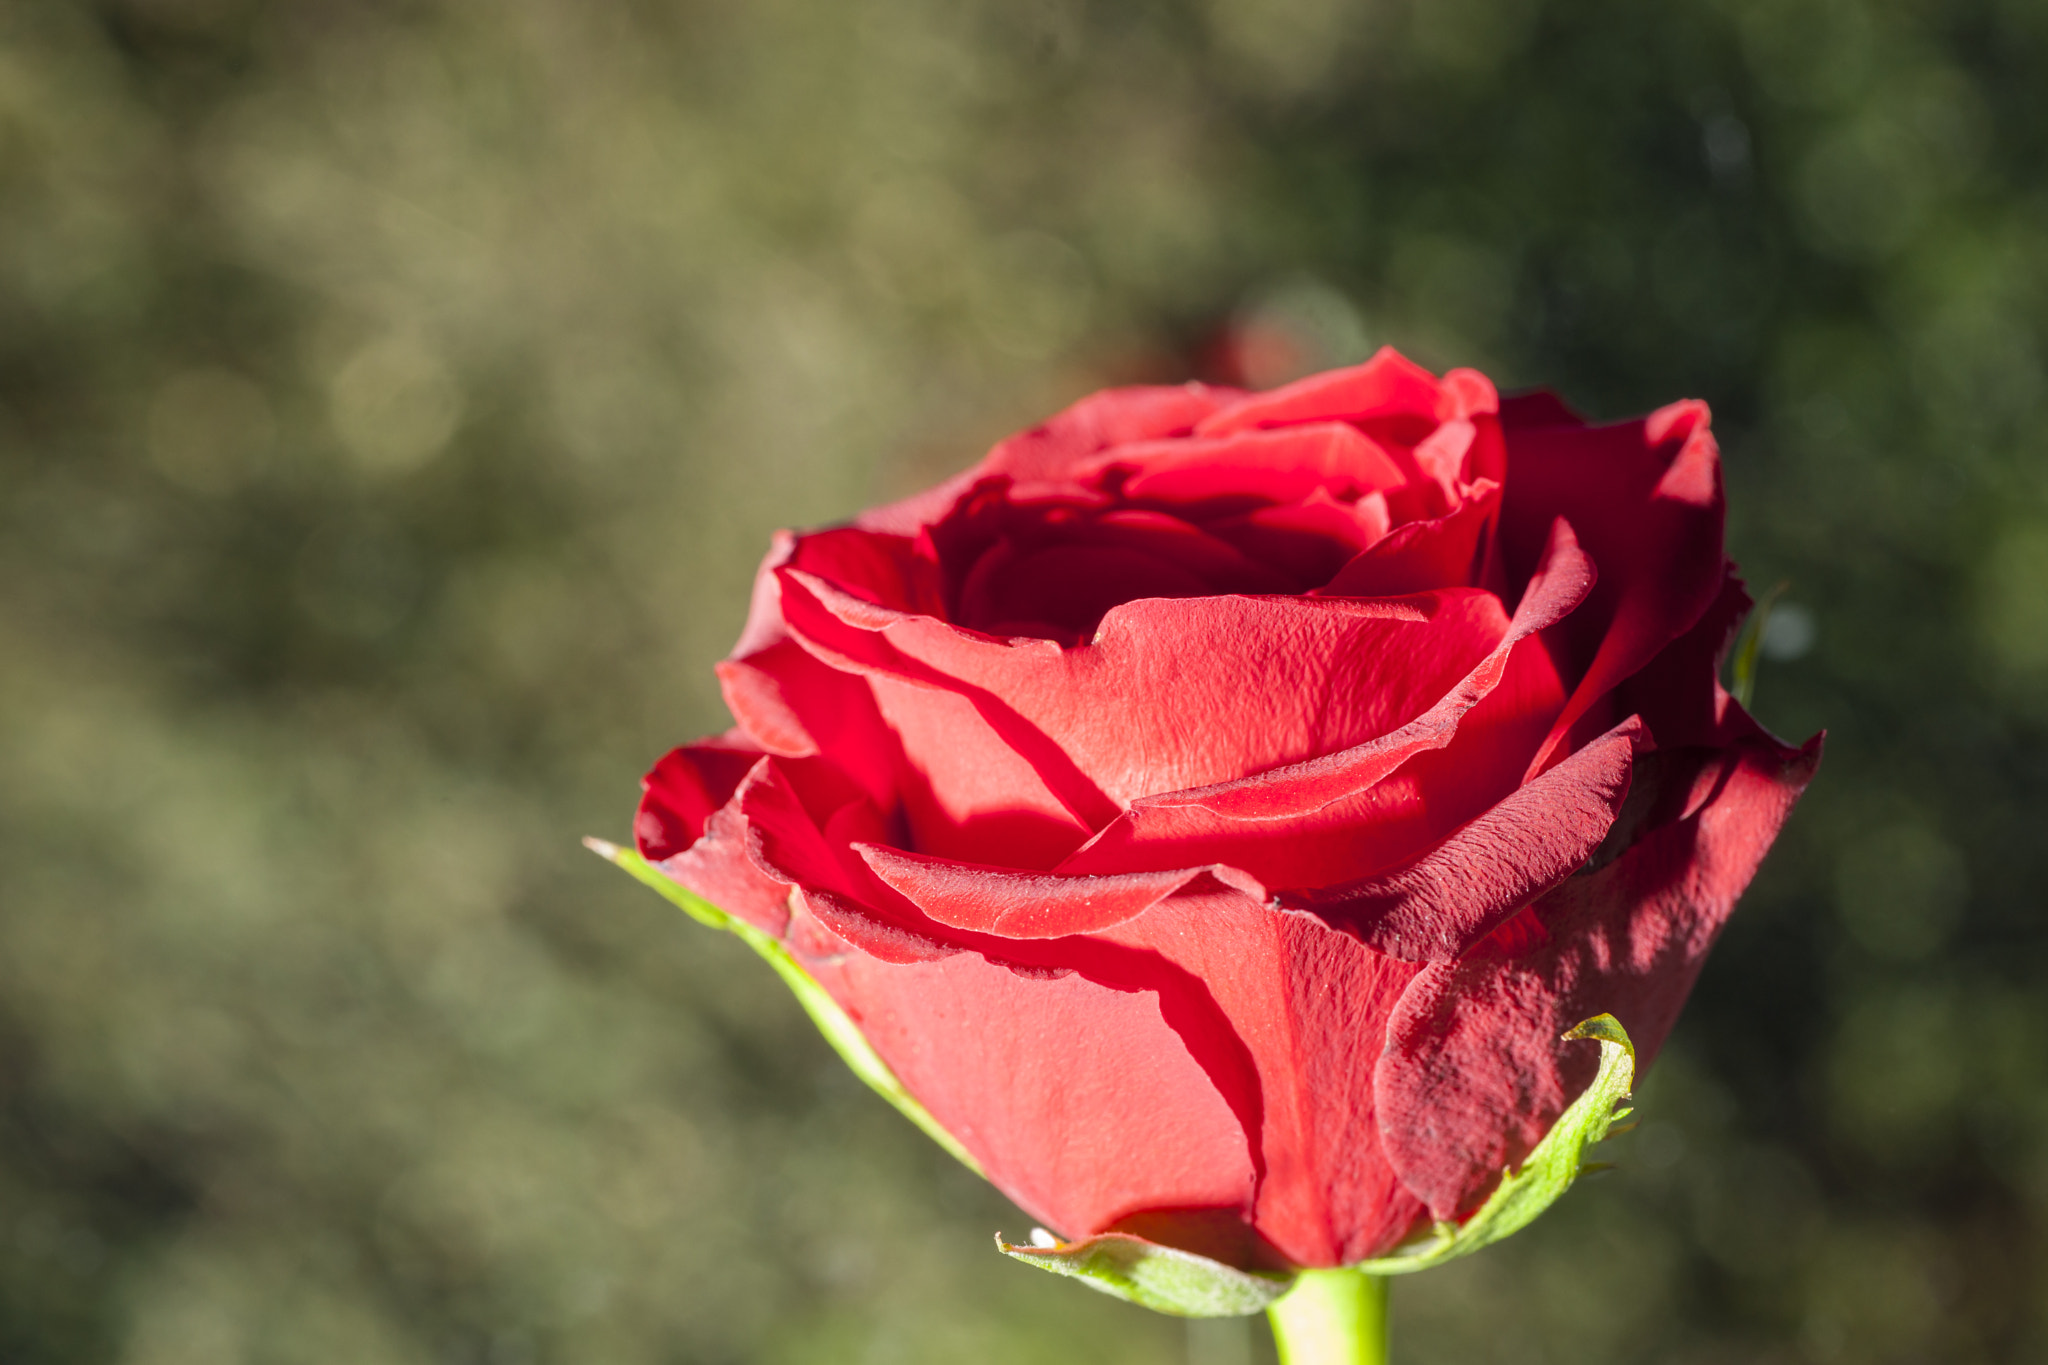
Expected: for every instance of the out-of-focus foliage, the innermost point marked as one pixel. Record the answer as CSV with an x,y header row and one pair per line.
x,y
396,394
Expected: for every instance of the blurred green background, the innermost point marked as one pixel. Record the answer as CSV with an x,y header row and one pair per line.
x,y
395,396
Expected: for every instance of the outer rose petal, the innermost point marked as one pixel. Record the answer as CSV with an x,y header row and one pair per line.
x,y
684,788
716,865
1679,692
789,704
1475,1073
1085,1095
1308,1005
790,845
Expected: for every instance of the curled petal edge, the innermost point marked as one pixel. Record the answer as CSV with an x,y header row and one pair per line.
x,y
1024,905
1438,907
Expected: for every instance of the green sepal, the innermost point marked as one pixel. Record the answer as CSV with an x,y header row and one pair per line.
x,y
1162,1278
1552,1166
840,1031
1748,641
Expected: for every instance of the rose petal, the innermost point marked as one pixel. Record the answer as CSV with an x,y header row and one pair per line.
x,y
1112,417
1086,1097
1645,499
1437,907
1354,669
1373,666
884,569
1679,692
1474,1071
1388,385
1309,1004
786,843
1561,582
684,788
1443,552
1380,825
1013,904
1537,408
966,792
718,868
965,742
1280,466
1311,540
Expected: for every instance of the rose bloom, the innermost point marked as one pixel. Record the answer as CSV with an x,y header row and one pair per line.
x,y
1215,805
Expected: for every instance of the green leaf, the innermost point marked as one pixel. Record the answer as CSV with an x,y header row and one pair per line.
x,y
1550,1169
1742,672
840,1031
1164,1279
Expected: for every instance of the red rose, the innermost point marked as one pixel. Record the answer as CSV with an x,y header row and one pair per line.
x,y
1214,805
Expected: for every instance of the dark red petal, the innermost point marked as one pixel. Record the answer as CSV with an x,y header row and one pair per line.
x,y
1537,408
1060,587
1437,907
1645,499
1061,592
1475,1073
1679,692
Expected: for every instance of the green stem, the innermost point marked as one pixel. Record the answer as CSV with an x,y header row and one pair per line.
x,y
1332,1317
